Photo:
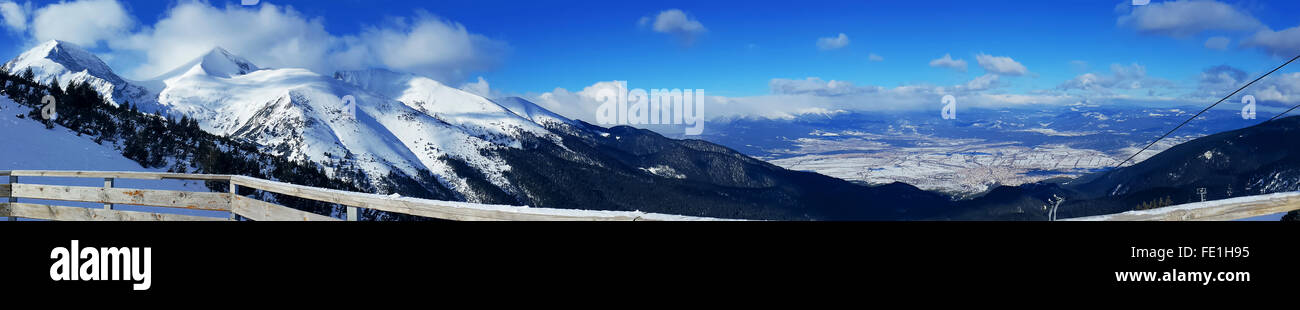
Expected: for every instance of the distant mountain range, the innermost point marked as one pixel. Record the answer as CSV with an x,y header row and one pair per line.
x,y
378,126
1249,161
464,147
980,150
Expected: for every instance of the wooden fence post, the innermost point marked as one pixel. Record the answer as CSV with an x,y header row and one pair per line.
x,y
108,183
234,191
12,180
352,213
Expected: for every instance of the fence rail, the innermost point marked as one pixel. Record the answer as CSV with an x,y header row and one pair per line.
x,y
255,209
1216,210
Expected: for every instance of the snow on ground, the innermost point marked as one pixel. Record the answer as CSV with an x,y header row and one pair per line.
x,y
532,111
396,122
960,167
1160,146
29,146
67,63
1204,204
664,171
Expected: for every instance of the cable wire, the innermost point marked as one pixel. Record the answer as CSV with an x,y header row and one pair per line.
x,y
1198,114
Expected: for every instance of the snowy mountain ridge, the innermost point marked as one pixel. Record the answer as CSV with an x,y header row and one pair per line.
x,y
67,63
398,123
411,135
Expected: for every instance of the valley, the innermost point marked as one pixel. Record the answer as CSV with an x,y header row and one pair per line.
x,y
410,135
968,157
413,136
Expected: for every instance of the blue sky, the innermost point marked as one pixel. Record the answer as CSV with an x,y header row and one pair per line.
x,y
740,49
572,44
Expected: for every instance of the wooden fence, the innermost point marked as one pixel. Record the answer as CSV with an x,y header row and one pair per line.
x,y
254,209
1215,210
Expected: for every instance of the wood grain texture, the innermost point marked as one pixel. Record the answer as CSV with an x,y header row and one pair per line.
x,y
1218,210
62,213
450,210
258,210
223,201
119,175
127,196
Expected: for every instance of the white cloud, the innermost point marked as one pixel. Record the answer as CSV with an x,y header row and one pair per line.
x,y
1217,43
583,104
835,42
279,36
14,15
982,82
812,95
1131,77
1000,65
676,23
947,62
575,105
1220,80
480,88
427,45
269,36
1285,43
85,22
1283,88
793,97
1086,81
1187,18
817,86
874,57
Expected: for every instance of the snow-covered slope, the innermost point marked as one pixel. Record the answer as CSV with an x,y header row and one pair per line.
x,y
477,150
473,113
69,63
217,63
398,122
532,111
32,147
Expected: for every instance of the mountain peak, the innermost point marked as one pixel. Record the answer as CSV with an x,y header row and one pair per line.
x,y
219,50
53,46
531,111
55,57
220,62
217,62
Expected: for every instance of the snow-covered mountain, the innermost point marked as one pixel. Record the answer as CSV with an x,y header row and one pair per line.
x,y
458,145
469,112
67,63
532,111
33,147
398,123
